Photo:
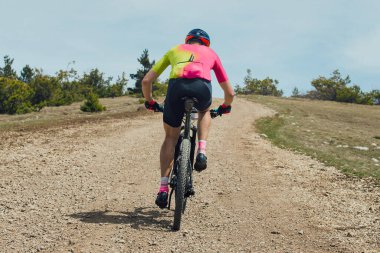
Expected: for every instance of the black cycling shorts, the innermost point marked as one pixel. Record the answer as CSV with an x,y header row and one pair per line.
x,y
182,87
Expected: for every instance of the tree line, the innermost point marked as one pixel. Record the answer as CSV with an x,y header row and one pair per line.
x,y
333,88
31,89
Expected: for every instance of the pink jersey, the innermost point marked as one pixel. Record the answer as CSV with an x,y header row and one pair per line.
x,y
191,61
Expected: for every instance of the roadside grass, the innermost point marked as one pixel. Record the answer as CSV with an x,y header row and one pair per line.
x,y
118,107
327,131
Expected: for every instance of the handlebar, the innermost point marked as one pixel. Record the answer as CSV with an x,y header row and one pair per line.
x,y
213,112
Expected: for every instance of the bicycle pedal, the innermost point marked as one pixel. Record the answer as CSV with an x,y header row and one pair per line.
x,y
173,182
190,192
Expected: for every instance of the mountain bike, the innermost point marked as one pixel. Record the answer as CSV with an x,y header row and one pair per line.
x,y
181,176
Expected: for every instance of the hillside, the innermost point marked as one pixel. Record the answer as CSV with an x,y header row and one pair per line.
x,y
343,135
89,186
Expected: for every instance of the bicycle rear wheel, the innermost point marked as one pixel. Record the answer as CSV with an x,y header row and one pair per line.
x,y
182,178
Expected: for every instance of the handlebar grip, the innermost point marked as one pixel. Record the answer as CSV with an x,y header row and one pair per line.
x,y
214,113
160,108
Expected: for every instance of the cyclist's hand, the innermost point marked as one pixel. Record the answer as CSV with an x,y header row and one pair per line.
x,y
154,106
224,109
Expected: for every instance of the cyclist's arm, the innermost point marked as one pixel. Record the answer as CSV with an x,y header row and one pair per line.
x,y
221,75
228,92
147,84
152,75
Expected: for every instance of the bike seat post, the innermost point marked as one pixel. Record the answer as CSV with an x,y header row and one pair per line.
x,y
189,104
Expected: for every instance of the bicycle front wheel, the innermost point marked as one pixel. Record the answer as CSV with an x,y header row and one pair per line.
x,y
182,178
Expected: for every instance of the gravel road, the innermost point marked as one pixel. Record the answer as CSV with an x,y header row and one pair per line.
x,y
91,188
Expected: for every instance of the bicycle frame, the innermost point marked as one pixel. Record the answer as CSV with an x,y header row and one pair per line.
x,y
188,131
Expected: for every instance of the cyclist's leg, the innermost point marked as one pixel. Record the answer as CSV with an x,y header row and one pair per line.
x,y
203,94
173,113
202,91
168,148
204,122
166,157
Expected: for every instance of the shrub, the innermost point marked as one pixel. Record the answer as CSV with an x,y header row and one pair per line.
x,y
265,87
349,94
296,93
327,88
15,96
92,104
44,88
160,89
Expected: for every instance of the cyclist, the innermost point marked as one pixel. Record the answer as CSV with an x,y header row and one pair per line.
x,y
190,76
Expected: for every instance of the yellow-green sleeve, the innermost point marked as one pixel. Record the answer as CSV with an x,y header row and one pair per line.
x,y
162,64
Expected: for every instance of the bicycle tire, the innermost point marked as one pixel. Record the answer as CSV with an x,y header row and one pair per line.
x,y
182,177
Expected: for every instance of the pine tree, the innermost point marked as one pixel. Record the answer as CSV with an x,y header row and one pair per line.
x,y
27,74
295,92
141,72
7,70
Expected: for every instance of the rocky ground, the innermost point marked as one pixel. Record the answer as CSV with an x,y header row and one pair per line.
x,y
91,187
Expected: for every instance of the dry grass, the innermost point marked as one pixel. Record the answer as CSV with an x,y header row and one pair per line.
x,y
70,114
328,131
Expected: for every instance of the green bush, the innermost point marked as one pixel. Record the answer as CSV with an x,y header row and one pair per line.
x,y
15,96
327,88
44,88
265,87
160,89
375,94
349,94
92,104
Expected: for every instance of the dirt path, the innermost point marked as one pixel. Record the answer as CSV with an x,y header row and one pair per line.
x,y
91,188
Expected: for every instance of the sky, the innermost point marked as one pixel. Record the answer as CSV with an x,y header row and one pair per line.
x,y
293,41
